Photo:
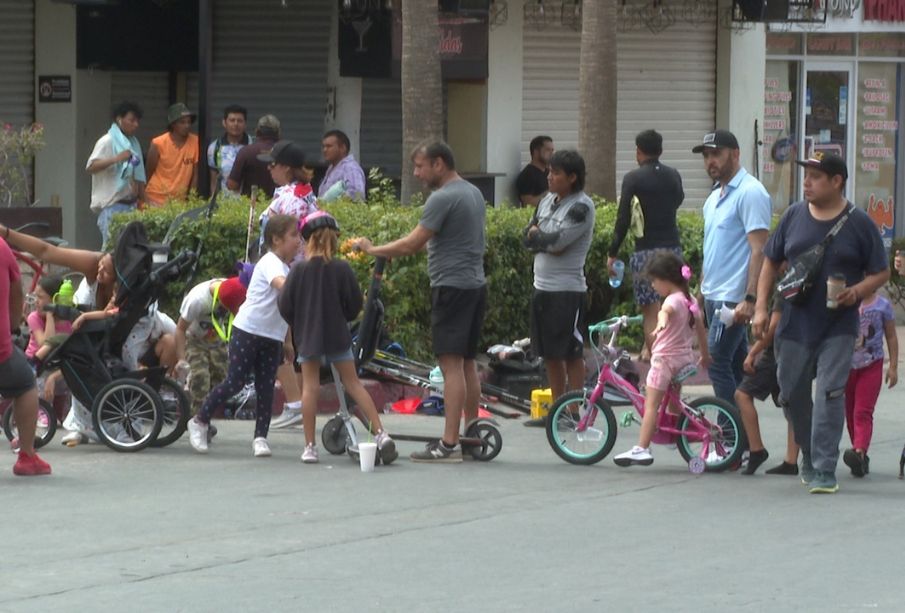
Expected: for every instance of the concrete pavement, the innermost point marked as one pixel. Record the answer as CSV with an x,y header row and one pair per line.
x,y
169,530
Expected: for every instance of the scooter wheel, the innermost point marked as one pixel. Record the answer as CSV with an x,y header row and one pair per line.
x,y
491,440
334,436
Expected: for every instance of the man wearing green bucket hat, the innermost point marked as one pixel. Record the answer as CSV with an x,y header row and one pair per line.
x,y
173,159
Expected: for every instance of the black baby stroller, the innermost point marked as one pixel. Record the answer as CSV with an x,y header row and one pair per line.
x,y
127,408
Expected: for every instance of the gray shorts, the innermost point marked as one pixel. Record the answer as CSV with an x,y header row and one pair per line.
x,y
16,375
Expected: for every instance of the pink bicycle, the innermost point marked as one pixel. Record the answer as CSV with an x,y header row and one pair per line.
x,y
581,426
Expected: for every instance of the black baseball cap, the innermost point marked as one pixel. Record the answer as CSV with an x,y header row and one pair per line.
x,y
284,152
717,139
828,163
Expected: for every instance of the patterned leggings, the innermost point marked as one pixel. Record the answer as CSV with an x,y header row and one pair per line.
x,y
248,353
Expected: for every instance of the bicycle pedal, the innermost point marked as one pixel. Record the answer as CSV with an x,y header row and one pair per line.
x,y
628,418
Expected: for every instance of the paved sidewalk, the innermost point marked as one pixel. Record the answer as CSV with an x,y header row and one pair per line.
x,y
169,530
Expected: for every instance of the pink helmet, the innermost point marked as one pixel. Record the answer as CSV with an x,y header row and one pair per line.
x,y
316,221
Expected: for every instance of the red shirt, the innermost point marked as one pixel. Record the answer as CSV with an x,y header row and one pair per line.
x,y
9,274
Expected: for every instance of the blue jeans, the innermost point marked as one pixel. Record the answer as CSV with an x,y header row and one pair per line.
x,y
103,219
728,349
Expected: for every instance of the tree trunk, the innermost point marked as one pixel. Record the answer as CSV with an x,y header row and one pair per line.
x,y
422,89
597,96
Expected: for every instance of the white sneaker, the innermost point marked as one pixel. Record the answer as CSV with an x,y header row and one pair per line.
x,y
74,438
309,456
261,447
288,418
197,435
636,455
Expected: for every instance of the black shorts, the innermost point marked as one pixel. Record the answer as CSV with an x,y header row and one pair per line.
x,y
16,375
457,316
557,324
763,382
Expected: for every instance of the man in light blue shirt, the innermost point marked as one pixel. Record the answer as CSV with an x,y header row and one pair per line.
x,y
736,223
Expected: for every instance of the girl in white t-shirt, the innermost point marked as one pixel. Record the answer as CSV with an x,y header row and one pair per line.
x,y
259,338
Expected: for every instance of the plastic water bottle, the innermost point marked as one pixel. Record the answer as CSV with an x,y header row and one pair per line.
x,y
66,294
436,379
134,160
619,269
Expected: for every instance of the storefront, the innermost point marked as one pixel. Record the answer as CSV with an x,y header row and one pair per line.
x,y
839,91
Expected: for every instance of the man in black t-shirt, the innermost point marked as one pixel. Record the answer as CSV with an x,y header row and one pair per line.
x,y
248,170
658,189
531,184
813,338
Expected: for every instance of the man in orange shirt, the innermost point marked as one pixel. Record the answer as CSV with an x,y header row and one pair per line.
x,y
173,159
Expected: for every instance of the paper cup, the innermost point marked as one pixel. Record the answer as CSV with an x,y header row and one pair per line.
x,y
726,315
367,454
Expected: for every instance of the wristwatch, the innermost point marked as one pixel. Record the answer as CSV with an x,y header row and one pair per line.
x,y
750,298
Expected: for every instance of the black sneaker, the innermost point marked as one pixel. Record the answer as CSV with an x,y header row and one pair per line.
x,y
783,469
855,461
437,452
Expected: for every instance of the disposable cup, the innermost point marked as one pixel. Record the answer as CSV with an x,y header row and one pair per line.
x,y
727,315
367,454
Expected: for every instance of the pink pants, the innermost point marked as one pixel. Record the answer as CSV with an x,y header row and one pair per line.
x,y
861,393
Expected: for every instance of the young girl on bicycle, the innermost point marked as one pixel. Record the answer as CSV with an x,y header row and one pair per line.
x,y
257,341
678,321
320,298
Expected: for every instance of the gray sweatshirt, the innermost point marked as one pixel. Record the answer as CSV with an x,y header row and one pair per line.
x,y
566,227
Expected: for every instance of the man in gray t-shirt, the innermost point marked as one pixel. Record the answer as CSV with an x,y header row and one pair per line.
x,y
452,228
560,235
455,253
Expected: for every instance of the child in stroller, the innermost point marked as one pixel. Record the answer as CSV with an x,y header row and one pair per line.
x,y
126,408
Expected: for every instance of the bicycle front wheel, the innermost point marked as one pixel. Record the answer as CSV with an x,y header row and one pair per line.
x,y
579,443
727,435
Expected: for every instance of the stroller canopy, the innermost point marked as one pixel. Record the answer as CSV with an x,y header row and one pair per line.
x,y
132,260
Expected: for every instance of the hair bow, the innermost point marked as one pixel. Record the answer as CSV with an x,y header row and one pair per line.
x,y
686,272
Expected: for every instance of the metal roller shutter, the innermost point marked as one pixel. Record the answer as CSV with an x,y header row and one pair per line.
x,y
150,90
381,125
667,81
17,70
272,58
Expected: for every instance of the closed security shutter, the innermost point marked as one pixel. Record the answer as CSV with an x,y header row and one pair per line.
x,y
381,125
150,91
17,68
272,58
666,81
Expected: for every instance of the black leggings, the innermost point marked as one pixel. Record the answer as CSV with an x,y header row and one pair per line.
x,y
248,353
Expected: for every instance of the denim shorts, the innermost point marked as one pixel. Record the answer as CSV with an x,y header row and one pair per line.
x,y
343,356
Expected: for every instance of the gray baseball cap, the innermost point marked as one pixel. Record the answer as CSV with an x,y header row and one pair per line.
x,y
270,123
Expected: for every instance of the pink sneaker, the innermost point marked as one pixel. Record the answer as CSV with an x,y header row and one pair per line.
x,y
30,465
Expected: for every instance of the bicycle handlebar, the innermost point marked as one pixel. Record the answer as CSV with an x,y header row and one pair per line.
x,y
40,225
606,326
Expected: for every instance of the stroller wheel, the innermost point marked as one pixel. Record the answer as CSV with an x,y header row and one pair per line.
x,y
334,436
177,409
46,428
127,414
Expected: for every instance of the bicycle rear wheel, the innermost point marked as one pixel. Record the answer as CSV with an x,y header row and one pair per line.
x,y
727,435
44,430
577,445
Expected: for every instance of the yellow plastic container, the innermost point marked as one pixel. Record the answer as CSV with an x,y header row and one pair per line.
x,y
541,401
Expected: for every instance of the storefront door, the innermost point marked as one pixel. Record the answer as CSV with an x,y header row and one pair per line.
x,y
828,110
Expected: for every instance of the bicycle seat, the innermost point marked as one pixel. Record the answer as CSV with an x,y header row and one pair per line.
x,y
56,241
689,370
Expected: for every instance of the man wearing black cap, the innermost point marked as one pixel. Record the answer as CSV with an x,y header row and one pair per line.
x,y
737,217
248,170
816,336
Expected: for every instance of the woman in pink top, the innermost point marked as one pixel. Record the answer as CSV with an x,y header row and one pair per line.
x,y
671,346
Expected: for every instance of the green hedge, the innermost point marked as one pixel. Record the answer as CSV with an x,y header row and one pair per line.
x,y
406,290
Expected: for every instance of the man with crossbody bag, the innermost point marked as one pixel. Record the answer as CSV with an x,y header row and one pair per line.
x,y
816,336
